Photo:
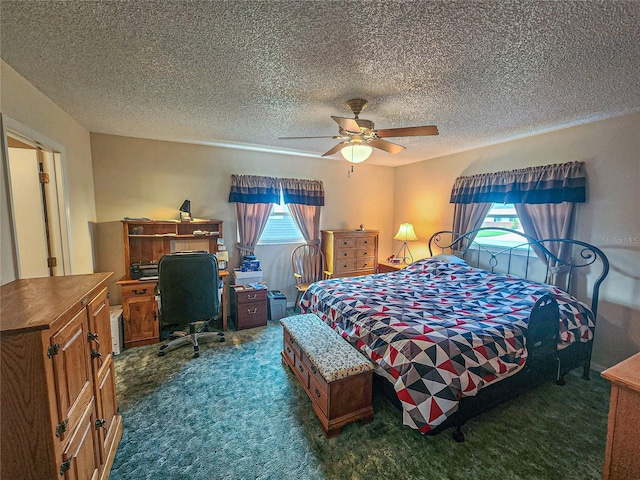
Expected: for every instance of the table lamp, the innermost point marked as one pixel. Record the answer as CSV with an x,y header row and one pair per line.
x,y
406,234
185,211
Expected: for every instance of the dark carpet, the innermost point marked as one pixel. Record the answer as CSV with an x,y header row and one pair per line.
x,y
237,413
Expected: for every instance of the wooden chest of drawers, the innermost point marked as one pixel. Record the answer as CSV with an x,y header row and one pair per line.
x,y
249,307
349,252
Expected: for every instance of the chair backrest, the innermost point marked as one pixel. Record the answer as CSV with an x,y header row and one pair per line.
x,y
308,262
188,286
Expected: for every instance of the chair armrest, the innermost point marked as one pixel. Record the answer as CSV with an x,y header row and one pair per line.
x,y
327,275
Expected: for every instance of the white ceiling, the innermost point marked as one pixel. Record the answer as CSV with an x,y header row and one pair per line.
x,y
240,72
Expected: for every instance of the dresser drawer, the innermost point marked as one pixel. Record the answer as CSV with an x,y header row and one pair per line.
x,y
289,339
344,266
366,242
366,264
289,350
345,242
365,253
251,314
343,254
247,296
146,289
318,395
302,372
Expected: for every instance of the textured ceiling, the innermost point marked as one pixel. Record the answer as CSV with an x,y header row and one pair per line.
x,y
246,73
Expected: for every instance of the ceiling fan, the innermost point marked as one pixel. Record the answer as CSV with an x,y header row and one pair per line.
x,y
358,135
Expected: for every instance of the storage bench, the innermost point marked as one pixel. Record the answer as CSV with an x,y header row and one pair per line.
x,y
336,376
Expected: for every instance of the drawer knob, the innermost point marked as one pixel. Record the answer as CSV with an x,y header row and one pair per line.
x,y
252,311
252,297
318,394
139,292
301,368
313,369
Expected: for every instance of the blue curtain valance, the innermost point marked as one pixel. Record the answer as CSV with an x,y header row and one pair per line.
x,y
556,183
254,189
302,192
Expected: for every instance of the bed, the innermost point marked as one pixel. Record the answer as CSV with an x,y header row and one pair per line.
x,y
455,334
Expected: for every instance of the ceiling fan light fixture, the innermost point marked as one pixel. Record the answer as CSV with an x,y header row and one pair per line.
x,y
357,153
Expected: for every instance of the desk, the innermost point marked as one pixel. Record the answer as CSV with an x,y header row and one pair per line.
x,y
140,310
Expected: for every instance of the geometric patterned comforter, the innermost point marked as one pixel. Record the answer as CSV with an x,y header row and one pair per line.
x,y
440,331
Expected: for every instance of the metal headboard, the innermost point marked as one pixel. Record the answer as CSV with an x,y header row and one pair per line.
x,y
558,272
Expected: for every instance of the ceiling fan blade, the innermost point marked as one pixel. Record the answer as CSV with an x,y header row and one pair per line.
x,y
296,138
348,124
335,149
385,145
407,131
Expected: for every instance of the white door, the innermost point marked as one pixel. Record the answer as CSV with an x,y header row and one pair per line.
x,y
28,211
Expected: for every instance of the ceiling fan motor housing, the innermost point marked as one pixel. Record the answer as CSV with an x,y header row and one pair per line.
x,y
357,105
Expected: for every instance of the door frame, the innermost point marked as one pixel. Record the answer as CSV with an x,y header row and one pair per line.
x,y
63,226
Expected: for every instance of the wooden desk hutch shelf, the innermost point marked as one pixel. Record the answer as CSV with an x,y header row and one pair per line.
x,y
148,241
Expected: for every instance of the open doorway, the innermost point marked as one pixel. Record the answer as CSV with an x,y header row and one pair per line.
x,y
37,206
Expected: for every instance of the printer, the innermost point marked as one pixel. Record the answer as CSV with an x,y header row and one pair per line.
x,y
143,270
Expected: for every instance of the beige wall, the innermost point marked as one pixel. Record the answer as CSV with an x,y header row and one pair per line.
x,y
149,178
610,219
23,103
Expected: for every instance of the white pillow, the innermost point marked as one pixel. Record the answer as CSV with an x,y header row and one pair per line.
x,y
447,258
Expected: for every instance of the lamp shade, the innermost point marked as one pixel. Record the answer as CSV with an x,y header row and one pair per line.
x,y
356,153
406,233
186,206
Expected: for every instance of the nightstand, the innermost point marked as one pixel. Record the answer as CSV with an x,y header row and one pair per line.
x,y
388,267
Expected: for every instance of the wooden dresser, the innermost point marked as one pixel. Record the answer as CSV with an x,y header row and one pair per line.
x,y
349,252
622,456
59,416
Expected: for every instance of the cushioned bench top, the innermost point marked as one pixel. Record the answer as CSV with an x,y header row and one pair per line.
x,y
334,357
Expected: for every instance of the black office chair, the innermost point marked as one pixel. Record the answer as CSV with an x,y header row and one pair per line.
x,y
189,292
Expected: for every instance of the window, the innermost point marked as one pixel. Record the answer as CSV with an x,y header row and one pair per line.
x,y
505,216
280,227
